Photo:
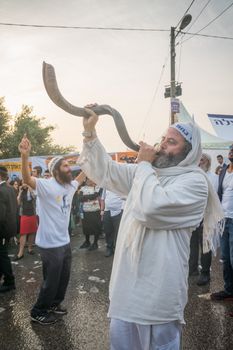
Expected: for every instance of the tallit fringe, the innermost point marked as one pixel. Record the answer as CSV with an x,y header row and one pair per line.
x,y
211,236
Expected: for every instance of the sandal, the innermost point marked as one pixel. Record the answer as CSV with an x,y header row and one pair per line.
x,y
16,257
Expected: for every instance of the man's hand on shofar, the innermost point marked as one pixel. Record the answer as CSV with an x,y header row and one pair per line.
x,y
146,153
90,122
24,146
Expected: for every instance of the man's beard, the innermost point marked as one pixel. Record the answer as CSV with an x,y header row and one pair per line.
x,y
65,178
168,160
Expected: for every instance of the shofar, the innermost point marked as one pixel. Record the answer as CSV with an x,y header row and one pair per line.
x,y
51,87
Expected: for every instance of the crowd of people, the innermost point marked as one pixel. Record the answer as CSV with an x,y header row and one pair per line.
x,y
92,208
155,215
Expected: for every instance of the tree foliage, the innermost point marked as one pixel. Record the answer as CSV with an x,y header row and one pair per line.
x,y
4,123
12,130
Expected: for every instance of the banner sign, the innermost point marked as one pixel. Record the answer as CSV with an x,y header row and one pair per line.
x,y
175,105
223,125
14,168
13,165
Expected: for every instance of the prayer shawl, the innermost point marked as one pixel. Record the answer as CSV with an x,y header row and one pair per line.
x,y
150,270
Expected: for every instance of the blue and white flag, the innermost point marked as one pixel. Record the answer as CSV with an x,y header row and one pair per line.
x,y
223,125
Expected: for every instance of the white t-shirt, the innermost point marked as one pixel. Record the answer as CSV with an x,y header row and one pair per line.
x,y
54,207
113,202
227,197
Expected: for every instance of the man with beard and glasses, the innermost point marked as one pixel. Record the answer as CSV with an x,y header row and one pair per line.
x,y
167,194
55,198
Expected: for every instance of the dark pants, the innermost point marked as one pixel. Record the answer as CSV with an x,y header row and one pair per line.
x,y
196,241
92,225
56,264
5,265
111,226
227,255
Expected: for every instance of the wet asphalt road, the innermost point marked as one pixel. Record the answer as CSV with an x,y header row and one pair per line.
x,y
209,326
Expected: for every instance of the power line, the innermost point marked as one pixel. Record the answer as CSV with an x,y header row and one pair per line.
x,y
179,65
185,13
106,28
205,35
83,27
154,95
213,20
181,40
195,20
227,8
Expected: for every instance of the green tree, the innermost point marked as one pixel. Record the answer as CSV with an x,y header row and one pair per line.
x,y
39,135
4,123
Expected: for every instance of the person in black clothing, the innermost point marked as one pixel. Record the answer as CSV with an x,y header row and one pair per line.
x,y
16,185
221,162
90,214
8,228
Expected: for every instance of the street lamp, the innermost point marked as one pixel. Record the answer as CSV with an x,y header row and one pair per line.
x,y
184,23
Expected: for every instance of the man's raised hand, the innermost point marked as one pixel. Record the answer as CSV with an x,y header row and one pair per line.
x,y
24,146
90,122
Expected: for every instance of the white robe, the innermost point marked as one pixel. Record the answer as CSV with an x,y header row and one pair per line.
x,y
149,276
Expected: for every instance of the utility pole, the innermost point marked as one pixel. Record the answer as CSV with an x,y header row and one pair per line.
x,y
174,89
173,74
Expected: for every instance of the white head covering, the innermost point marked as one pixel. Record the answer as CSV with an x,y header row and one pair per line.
x,y
185,129
53,162
207,156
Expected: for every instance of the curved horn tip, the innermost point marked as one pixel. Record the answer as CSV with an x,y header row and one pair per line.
x,y
45,64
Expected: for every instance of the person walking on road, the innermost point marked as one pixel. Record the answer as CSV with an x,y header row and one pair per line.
x,y
55,198
8,229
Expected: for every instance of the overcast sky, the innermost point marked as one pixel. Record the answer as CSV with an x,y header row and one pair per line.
x,y
119,68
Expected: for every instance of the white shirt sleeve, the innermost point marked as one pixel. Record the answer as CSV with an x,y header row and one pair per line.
x,y
42,187
75,184
177,204
99,166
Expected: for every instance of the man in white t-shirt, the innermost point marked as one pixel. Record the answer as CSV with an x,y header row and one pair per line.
x,y
55,198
